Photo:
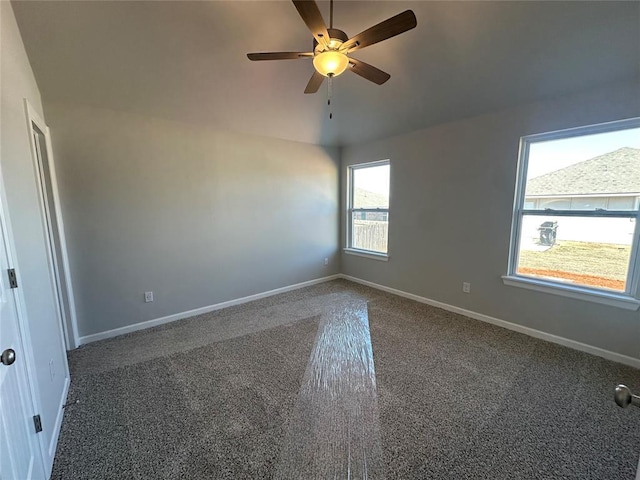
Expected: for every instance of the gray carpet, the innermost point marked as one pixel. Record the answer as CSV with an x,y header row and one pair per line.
x,y
219,396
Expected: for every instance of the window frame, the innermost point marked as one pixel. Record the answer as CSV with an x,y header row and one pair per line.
x,y
630,298
351,210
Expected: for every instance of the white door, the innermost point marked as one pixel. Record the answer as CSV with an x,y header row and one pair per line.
x,y
19,451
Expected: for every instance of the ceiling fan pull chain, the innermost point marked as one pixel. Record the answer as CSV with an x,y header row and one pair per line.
x,y
329,92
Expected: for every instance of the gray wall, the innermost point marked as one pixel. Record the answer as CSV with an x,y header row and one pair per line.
x,y
452,189
36,292
197,216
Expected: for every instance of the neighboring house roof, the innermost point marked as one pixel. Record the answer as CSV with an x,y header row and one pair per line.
x,y
612,173
367,199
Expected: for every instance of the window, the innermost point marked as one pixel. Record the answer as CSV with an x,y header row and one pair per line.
x,y
368,209
575,215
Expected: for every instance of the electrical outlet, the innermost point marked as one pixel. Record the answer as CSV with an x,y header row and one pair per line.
x,y
326,261
466,287
148,297
52,370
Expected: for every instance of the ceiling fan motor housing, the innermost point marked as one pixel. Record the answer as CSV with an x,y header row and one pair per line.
x,y
334,34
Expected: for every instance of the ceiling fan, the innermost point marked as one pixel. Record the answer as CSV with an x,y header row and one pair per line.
x,y
332,47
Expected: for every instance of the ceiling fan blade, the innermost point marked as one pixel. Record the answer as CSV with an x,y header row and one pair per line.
x,y
279,56
308,10
369,72
389,28
314,83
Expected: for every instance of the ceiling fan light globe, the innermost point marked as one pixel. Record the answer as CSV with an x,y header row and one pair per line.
x,y
330,63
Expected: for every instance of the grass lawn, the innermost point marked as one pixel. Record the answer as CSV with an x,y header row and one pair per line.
x,y
594,264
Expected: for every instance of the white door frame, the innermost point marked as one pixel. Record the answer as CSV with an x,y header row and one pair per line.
x,y
23,327
64,296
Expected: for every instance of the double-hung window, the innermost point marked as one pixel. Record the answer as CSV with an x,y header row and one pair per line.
x,y
575,221
368,209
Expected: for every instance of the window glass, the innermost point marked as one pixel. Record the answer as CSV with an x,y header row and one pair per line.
x,y
369,210
587,251
370,231
596,166
554,203
590,178
588,203
371,187
622,203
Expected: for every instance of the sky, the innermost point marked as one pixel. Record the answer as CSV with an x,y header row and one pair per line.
x,y
374,179
545,157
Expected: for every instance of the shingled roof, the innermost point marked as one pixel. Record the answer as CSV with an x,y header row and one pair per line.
x,y
613,172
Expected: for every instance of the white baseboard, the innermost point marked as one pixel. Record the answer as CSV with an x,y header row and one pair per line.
x,y
583,347
57,426
616,357
198,311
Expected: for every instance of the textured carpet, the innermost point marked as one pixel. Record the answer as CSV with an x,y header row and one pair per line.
x,y
220,396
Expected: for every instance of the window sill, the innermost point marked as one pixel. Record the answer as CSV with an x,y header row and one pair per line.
x,y
612,299
367,254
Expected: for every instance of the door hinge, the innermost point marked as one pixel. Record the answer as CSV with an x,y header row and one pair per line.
x,y
37,422
13,279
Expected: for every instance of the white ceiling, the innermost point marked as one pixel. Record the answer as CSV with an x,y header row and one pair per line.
x,y
186,61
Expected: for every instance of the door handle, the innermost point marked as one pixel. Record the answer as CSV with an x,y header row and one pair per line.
x,y
624,397
8,357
